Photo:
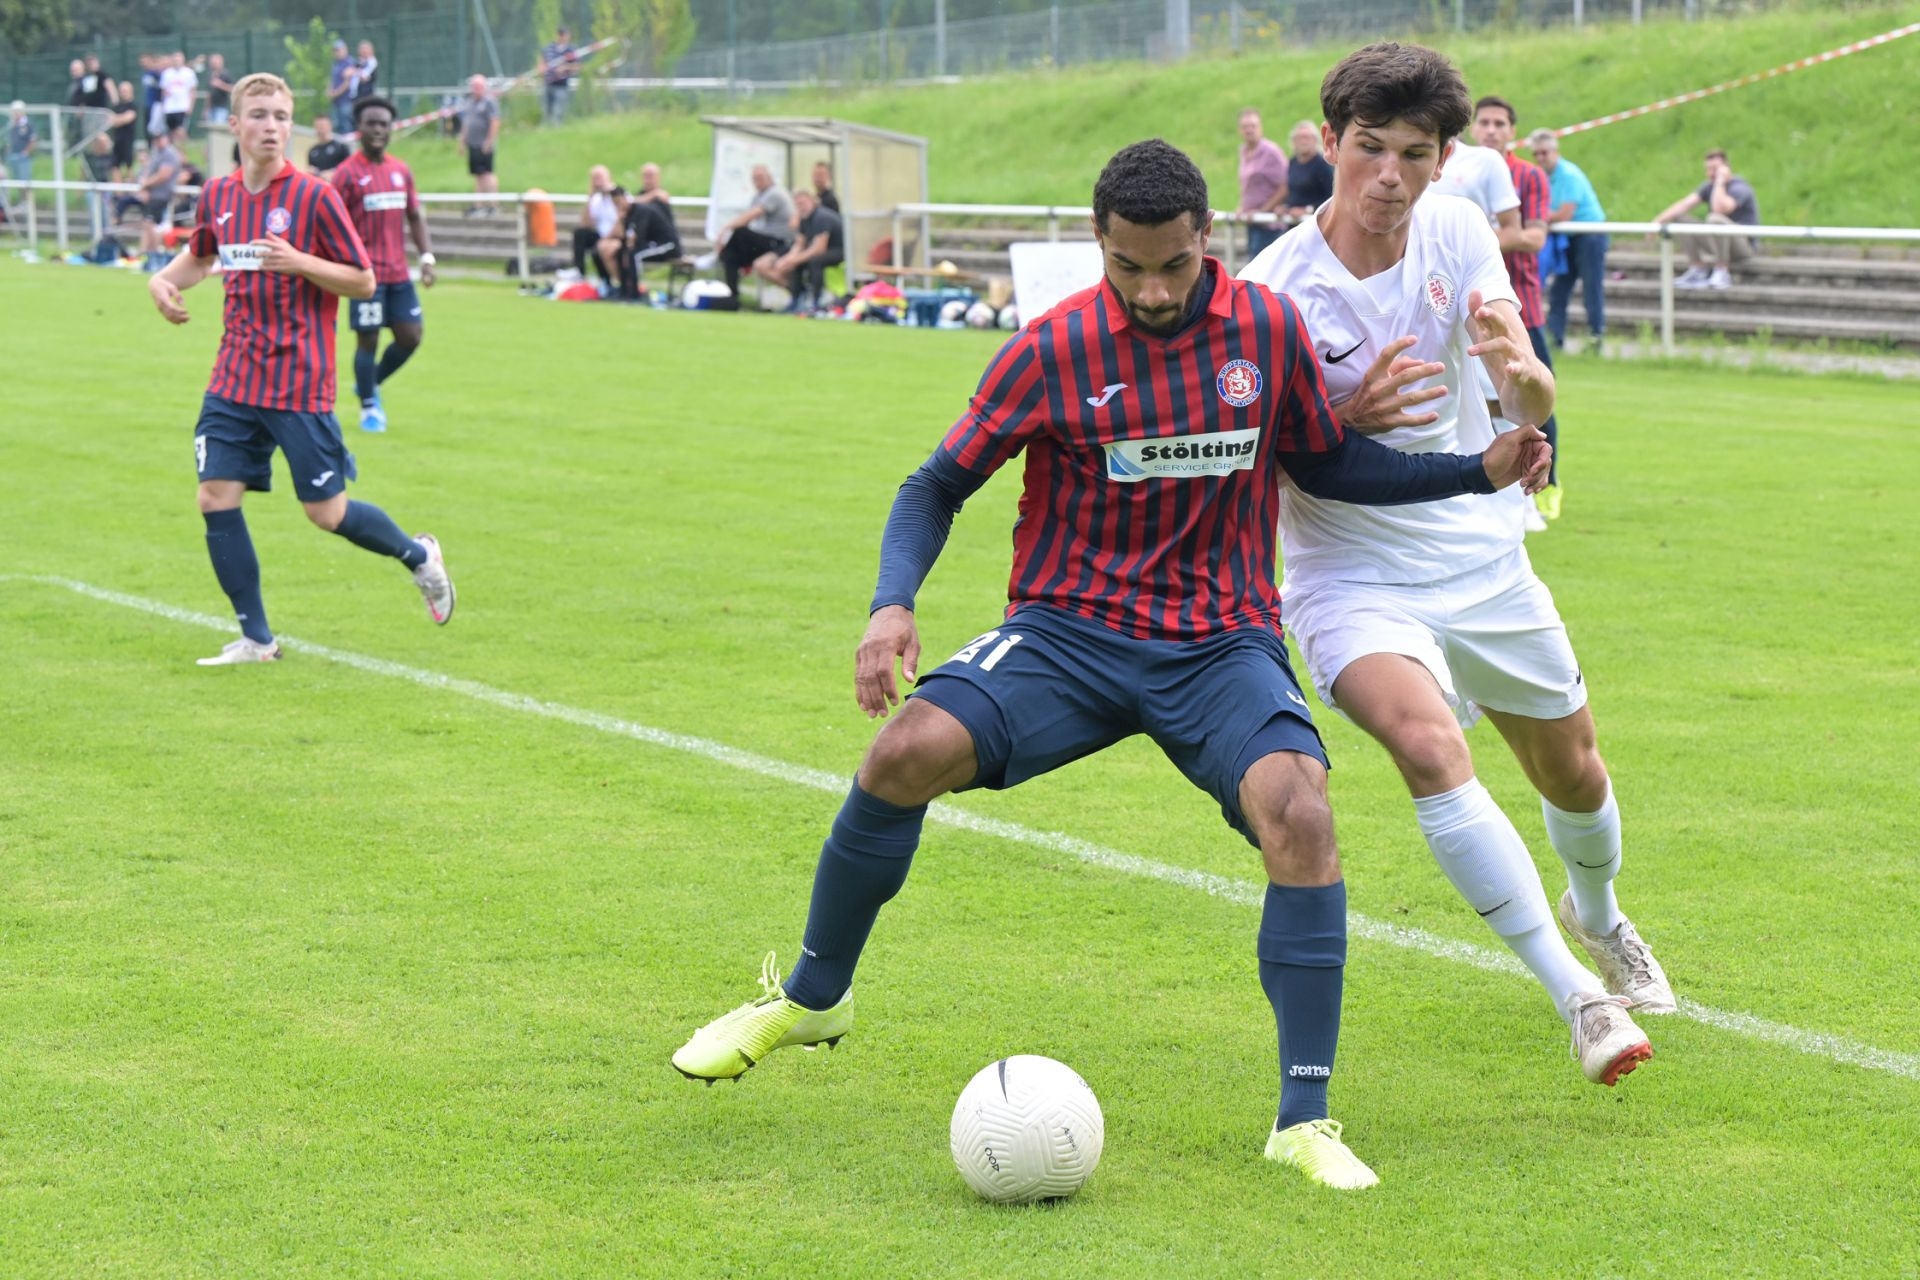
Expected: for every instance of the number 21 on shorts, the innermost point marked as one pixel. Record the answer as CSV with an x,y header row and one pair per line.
x,y
988,663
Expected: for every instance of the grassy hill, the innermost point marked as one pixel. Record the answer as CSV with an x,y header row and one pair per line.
x,y
1820,146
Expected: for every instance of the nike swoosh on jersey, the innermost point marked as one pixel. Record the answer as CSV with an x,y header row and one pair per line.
x,y
1107,393
1336,359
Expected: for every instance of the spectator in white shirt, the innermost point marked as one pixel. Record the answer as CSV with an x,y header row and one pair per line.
x,y
178,83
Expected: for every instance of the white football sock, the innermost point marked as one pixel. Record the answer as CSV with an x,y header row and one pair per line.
x,y
1488,863
1589,843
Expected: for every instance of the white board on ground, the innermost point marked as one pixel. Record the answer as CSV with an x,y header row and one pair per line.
x,y
1047,271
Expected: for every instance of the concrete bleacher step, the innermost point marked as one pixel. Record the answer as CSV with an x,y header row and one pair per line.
x,y
1899,305
1789,269
1693,321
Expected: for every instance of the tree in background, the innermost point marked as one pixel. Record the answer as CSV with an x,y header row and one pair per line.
x,y
655,32
29,24
310,69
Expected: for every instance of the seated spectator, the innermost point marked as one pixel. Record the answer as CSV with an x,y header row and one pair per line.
x,y
759,233
649,233
327,152
820,244
184,204
1309,176
599,232
158,176
1730,202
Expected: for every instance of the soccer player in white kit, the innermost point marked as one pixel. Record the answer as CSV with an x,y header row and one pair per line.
x,y
1415,620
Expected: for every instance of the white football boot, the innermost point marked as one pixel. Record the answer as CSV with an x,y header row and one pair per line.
x,y
1625,962
436,588
1605,1040
242,650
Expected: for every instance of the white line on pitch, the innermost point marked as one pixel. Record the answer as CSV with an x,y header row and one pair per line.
x,y
1836,1048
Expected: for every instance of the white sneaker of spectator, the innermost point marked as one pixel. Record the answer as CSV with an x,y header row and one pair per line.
x,y
1720,279
1695,278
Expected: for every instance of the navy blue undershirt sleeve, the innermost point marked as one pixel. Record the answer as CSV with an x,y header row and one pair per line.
x,y
918,525
1364,471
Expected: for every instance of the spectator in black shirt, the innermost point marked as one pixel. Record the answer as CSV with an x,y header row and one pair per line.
x,y
123,126
819,244
1309,176
219,90
649,233
823,186
327,152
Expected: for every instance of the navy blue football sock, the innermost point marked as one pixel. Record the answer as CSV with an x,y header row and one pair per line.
x,y
230,547
396,354
365,378
1303,957
366,525
862,865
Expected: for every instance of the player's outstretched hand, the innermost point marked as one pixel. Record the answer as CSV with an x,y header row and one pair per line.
x,y
1506,343
1521,455
279,256
890,635
1387,398
166,297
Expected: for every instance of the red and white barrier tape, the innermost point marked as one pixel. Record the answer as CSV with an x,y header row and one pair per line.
x,y
1818,58
414,122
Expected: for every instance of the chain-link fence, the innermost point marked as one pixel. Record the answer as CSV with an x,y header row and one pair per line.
x,y
439,50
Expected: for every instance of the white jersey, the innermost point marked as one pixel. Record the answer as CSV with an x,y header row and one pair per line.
x,y
1451,252
177,85
1480,175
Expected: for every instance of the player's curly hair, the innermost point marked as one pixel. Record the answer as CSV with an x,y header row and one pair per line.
x,y
1385,82
1149,183
362,104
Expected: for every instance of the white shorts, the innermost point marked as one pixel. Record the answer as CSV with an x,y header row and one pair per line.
x,y
1490,636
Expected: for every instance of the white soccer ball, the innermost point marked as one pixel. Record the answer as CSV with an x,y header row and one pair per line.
x,y
980,316
953,313
1009,317
1027,1128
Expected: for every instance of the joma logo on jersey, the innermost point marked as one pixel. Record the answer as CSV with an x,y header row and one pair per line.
x,y
1178,457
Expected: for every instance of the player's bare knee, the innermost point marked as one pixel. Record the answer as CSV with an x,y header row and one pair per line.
x,y
1575,781
326,515
221,496
917,757
1284,801
1430,753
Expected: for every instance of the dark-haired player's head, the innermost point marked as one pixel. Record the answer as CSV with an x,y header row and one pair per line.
x,y
1392,112
373,117
1493,122
1151,216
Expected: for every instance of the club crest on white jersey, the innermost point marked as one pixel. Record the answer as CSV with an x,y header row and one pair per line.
x,y
1439,293
1215,453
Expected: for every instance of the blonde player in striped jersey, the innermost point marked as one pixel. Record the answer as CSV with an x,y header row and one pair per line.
x,y
1415,620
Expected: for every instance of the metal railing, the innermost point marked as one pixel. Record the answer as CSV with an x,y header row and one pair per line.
x,y
1051,220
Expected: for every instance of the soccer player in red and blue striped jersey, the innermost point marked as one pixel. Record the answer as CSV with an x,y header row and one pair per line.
x,y
1157,413
286,251
377,189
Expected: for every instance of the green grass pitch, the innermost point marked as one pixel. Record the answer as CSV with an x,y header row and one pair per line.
x,y
314,970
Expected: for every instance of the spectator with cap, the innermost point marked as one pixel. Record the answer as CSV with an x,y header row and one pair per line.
x,y
1263,181
1730,202
559,61
1586,255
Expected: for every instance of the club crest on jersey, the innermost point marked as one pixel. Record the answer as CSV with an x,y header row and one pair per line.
x,y
1439,291
278,220
1239,383
397,179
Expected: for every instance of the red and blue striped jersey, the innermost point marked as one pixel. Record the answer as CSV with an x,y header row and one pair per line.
x,y
277,351
378,197
1524,268
1152,489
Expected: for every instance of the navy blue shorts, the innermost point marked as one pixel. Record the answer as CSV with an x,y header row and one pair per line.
x,y
236,442
1047,687
391,304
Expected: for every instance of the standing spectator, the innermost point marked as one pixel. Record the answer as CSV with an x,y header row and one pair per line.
x,y
98,159
1309,176
819,244
823,186
219,90
366,74
178,85
123,126
480,133
157,179
153,112
96,88
340,88
76,76
1263,181
20,147
1573,201
1730,202
599,232
1493,124
558,63
762,230
650,233
327,152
